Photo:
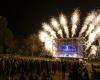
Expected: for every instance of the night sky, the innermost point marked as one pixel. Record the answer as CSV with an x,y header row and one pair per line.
x,y
25,16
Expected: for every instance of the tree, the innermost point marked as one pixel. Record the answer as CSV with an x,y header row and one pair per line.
x,y
31,46
6,35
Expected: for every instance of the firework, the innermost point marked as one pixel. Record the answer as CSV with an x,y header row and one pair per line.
x,y
93,50
48,29
51,31
89,19
56,26
92,37
63,22
75,20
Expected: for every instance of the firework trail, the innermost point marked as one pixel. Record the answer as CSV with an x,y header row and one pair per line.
x,y
48,29
93,50
92,37
43,35
50,32
63,22
88,20
97,20
56,26
75,20
91,27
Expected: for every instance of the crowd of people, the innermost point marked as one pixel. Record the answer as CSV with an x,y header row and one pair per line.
x,y
27,69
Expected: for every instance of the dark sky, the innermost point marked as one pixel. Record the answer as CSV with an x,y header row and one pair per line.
x,y
25,16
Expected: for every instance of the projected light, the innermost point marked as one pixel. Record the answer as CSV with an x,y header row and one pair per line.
x,y
67,48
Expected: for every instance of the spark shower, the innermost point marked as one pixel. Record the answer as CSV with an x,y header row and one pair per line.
x,y
60,29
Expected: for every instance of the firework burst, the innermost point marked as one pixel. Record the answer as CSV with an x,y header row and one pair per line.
x,y
57,29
